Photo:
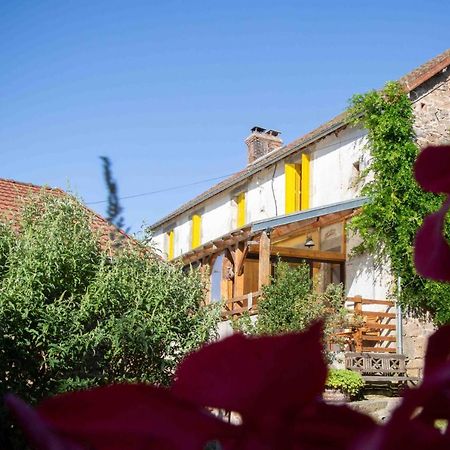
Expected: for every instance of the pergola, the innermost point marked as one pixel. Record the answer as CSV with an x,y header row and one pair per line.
x,y
242,260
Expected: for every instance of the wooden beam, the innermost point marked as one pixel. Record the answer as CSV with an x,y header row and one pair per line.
x,y
264,260
380,338
302,254
239,256
379,326
205,275
217,246
344,237
293,229
377,314
226,287
240,261
378,349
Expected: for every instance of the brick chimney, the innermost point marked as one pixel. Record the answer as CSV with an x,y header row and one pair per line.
x,y
261,142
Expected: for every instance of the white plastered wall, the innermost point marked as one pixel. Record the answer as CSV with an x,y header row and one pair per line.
x,y
333,173
265,194
363,276
217,217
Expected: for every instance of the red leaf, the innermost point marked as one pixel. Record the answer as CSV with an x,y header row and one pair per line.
x,y
432,169
330,426
412,424
438,350
131,417
36,429
432,252
258,377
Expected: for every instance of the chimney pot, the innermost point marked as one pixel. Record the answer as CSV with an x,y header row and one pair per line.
x,y
257,129
261,142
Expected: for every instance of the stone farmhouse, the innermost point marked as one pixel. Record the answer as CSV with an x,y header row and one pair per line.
x,y
292,202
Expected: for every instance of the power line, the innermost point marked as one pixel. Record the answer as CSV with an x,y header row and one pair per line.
x,y
173,188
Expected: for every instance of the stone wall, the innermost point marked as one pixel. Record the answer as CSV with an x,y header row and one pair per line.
x,y
415,338
431,103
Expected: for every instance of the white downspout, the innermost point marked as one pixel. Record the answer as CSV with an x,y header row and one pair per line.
x,y
399,324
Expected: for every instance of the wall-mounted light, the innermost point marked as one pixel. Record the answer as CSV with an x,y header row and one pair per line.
x,y
309,243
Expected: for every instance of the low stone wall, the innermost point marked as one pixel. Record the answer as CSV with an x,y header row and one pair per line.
x,y
415,338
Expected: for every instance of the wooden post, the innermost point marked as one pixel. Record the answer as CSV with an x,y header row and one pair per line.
x,y
239,256
344,239
264,260
226,287
358,311
205,271
316,266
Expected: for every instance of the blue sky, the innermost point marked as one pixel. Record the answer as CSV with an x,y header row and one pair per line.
x,y
169,90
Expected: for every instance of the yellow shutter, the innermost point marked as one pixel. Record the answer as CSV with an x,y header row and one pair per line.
x,y
196,230
171,249
305,182
292,186
240,200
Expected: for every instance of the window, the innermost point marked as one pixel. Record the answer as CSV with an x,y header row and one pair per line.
x,y
297,185
196,230
240,203
170,244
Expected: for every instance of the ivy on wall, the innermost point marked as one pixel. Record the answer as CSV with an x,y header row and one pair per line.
x,y
388,224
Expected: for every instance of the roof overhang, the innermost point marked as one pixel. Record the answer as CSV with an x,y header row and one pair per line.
x,y
253,230
311,213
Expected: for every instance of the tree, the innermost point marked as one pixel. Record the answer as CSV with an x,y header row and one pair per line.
x,y
73,316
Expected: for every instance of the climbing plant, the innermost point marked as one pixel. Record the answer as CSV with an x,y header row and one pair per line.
x,y
389,222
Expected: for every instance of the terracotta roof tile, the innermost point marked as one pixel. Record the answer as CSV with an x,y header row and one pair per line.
x,y
427,70
13,193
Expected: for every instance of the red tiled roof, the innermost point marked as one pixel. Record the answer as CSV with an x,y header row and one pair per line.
x,y
14,193
410,81
427,70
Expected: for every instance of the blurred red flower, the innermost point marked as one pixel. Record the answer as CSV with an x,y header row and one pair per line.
x,y
432,252
275,383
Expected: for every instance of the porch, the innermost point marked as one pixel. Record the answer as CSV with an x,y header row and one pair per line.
x,y
239,264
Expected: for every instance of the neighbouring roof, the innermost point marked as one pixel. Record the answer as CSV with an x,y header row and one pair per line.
x,y
410,81
12,194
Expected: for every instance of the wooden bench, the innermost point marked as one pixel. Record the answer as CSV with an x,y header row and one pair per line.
x,y
380,367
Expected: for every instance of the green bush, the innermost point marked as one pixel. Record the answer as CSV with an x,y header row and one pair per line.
x,y
291,304
74,316
346,381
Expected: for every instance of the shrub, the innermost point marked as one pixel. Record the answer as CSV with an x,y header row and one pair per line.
x,y
291,304
346,381
72,316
